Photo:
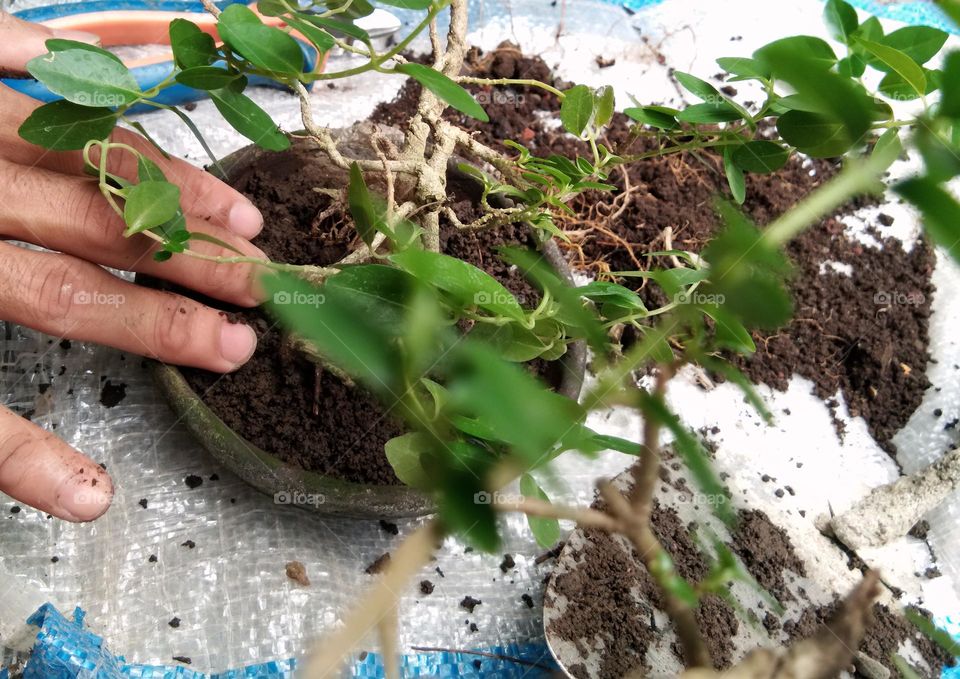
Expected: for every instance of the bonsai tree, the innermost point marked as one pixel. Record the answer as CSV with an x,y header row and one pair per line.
x,y
475,420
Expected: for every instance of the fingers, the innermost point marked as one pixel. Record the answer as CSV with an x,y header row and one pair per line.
x,y
42,471
21,41
67,297
84,225
202,195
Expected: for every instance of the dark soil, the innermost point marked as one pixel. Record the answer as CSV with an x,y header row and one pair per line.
x,y
278,400
766,552
884,637
112,394
601,599
874,352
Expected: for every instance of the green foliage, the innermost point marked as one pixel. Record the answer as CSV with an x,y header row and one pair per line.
x,y
191,46
150,204
404,453
545,530
445,88
88,77
65,126
576,110
262,45
841,19
247,118
206,77
939,210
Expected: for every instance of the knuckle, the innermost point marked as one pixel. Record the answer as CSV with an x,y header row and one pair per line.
x,y
98,226
226,279
15,447
53,292
171,330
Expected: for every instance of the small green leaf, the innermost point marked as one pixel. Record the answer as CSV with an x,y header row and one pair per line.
x,y
576,111
321,39
814,134
191,46
950,96
699,88
247,118
889,143
744,67
939,209
603,103
706,113
841,18
738,187
336,329
86,77
920,43
65,126
365,217
337,26
512,342
262,45
149,204
446,89
851,66
654,116
784,56
206,77
896,61
404,452
760,156
938,636
61,45
545,530
465,283
149,171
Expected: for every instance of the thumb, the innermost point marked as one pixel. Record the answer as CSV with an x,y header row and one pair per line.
x,y
21,41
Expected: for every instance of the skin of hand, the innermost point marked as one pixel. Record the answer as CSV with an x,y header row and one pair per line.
x,y
46,200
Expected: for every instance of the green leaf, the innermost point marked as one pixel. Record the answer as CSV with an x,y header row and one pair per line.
x,y
577,109
738,187
699,114
149,171
950,96
920,43
191,46
86,77
65,126
264,46
896,61
61,45
446,89
760,156
951,8
939,210
744,67
851,66
841,19
783,57
525,415
512,342
336,329
206,77
603,103
365,216
814,134
699,88
149,204
545,530
337,26
379,293
465,283
572,311
893,86
404,452
889,142
654,116
249,119
871,29
320,38
605,291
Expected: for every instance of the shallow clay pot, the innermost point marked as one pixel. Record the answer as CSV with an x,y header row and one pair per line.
x,y
290,484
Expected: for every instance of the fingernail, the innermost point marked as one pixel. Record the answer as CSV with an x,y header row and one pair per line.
x,y
245,219
237,343
79,36
84,497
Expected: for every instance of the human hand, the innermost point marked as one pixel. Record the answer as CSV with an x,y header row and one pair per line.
x,y
45,199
